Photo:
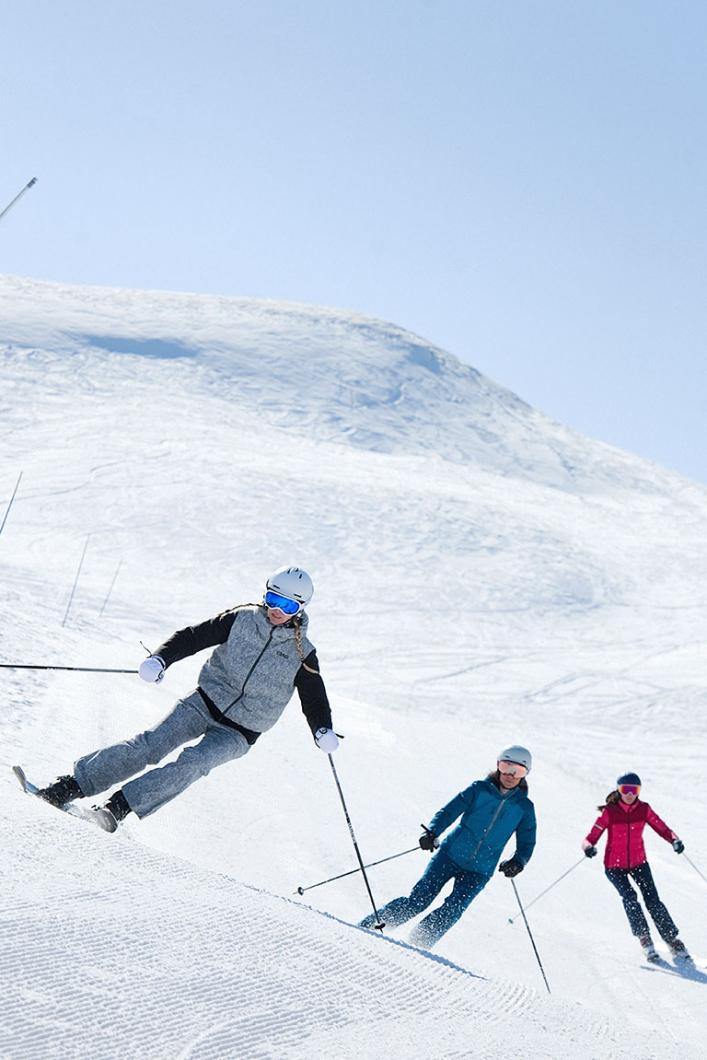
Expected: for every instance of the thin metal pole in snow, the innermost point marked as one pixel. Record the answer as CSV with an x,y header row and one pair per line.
x,y
379,924
30,184
73,589
530,934
79,669
512,919
694,867
7,510
115,576
351,872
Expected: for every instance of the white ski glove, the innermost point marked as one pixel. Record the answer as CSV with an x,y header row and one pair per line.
x,y
326,740
152,668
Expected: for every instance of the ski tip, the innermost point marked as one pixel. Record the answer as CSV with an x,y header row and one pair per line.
x,y
20,774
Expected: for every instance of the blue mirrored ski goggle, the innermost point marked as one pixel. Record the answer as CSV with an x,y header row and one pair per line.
x,y
282,603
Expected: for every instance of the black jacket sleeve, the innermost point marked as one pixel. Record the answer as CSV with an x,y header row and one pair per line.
x,y
189,641
312,694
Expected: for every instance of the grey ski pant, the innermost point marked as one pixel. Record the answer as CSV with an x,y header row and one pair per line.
x,y
188,720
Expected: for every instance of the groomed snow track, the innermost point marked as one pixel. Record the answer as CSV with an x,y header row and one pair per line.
x,y
110,950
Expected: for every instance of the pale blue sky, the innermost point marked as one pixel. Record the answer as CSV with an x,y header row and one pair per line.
x,y
522,183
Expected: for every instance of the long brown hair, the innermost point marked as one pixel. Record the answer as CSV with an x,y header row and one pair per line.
x,y
611,799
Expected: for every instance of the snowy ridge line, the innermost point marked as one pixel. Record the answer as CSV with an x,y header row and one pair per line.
x,y
371,384
165,960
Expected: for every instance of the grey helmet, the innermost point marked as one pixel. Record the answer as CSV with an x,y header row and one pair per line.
x,y
520,755
292,582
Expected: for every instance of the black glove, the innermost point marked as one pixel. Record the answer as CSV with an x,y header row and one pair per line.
x,y
511,867
428,840
590,852
678,846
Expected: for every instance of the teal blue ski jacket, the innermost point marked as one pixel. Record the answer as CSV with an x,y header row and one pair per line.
x,y
489,818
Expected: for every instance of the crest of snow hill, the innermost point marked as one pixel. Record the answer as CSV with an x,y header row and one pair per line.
x,y
536,519
335,375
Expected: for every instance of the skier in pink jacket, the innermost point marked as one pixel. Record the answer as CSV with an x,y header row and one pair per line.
x,y
624,816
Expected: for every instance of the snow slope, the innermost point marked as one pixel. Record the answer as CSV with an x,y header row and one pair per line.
x,y
170,961
483,576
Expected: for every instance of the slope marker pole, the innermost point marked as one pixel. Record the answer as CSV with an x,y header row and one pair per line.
x,y
73,588
115,577
7,510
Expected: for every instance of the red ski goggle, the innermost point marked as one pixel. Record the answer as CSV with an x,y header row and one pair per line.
x,y
628,789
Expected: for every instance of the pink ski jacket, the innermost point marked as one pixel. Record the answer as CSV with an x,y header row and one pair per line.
x,y
624,841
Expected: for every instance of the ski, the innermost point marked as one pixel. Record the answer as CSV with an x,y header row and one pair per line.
x,y
94,815
685,967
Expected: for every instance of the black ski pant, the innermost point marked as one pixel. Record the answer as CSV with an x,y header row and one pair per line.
x,y
644,878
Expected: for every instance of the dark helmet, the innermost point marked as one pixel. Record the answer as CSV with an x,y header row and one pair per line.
x,y
629,778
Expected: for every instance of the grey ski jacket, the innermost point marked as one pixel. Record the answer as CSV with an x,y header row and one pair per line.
x,y
250,677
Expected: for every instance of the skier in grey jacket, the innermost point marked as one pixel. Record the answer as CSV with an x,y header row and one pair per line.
x,y
261,655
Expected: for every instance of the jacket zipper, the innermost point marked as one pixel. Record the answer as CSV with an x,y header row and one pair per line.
x,y
628,838
488,829
248,675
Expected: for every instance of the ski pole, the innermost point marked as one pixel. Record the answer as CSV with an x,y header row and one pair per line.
x,y
17,197
535,948
379,924
80,669
301,890
694,867
512,919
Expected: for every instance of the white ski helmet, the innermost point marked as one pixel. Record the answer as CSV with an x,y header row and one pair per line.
x,y
520,755
292,582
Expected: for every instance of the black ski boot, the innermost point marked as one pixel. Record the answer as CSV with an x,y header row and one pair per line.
x,y
63,790
118,805
115,810
679,950
649,949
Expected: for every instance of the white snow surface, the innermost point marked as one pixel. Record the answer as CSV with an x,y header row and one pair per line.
x,y
484,576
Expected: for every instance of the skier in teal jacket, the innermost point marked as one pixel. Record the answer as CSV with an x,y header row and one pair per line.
x,y
491,811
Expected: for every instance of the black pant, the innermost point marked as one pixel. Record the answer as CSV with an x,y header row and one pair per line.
x,y
644,878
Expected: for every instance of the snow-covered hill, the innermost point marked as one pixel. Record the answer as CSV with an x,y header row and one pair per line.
x,y
483,576
120,952
333,375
